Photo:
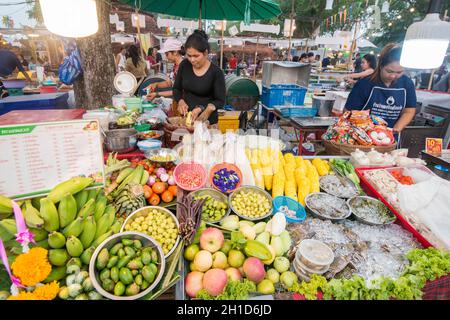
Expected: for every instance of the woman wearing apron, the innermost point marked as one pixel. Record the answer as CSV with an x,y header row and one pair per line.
x,y
388,93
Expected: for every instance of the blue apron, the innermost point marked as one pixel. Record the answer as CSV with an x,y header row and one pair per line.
x,y
387,103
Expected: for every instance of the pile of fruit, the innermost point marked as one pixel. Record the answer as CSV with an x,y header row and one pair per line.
x,y
70,222
156,223
127,268
212,209
287,175
254,253
78,286
251,204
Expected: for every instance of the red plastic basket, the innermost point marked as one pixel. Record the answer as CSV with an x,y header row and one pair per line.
x,y
228,166
193,167
371,191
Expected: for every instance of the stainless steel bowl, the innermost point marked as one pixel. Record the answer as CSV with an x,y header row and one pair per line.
x,y
147,241
162,152
346,182
143,212
255,189
322,216
357,217
215,195
121,140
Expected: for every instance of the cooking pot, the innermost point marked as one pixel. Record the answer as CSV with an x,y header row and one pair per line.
x,y
121,140
323,105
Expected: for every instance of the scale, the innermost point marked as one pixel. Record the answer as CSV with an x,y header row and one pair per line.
x,y
125,83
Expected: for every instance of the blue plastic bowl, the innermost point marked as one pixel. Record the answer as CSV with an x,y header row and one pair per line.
x,y
149,144
293,205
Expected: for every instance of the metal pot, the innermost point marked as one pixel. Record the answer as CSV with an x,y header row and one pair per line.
x,y
121,140
323,105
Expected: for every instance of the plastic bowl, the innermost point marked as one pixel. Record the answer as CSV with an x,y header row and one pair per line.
x,y
254,189
147,241
215,195
192,167
314,254
143,212
229,167
281,201
149,144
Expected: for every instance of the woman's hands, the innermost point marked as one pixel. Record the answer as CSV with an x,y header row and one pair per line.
x,y
198,114
183,107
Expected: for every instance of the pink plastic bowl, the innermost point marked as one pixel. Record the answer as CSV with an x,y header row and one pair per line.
x,y
186,168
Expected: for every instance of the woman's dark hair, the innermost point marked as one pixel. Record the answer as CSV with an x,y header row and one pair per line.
x,y
149,51
133,53
295,59
198,40
390,53
310,54
181,52
371,60
303,56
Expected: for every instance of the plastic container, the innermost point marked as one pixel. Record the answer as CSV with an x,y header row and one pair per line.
x,y
229,167
15,91
133,104
192,167
371,191
314,254
34,102
293,205
103,117
283,95
298,112
14,84
48,89
149,144
147,241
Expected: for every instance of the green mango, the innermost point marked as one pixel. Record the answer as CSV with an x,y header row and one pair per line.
x,y
125,276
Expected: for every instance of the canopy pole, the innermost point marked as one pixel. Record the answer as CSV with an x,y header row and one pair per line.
x,y
353,47
256,55
200,15
221,47
290,31
430,83
139,33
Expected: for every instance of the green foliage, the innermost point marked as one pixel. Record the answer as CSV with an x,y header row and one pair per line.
x,y
234,290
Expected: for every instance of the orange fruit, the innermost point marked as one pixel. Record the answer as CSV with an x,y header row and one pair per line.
x,y
147,191
167,196
173,190
159,187
154,199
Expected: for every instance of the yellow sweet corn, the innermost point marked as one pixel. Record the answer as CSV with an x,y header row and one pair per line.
x,y
304,188
299,173
299,161
327,165
320,166
290,190
259,179
267,173
278,185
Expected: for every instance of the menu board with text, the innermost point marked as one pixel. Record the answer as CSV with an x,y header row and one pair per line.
x,y
36,157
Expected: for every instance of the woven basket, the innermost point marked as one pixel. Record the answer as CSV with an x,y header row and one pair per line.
x,y
340,149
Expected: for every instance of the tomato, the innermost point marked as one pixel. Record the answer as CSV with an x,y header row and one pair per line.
x,y
147,191
159,187
154,199
167,196
150,169
173,190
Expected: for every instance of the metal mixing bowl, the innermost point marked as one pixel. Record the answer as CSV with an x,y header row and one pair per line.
x,y
147,241
121,140
254,189
219,196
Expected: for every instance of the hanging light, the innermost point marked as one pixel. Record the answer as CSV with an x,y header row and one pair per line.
x,y
390,24
70,18
385,7
329,5
427,38
412,9
399,17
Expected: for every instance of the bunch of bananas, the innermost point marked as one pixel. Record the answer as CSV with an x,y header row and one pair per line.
x,y
70,222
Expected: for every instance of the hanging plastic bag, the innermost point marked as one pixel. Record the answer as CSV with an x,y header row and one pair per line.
x,y
70,69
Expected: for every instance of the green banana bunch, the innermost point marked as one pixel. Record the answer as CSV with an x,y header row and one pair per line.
x,y
124,173
88,209
102,238
39,234
105,222
81,198
31,216
6,208
93,193
100,207
49,213
144,178
67,210
8,229
74,246
89,229
70,186
74,228
56,240
135,177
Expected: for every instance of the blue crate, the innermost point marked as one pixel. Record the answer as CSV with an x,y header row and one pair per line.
x,y
283,95
34,102
298,112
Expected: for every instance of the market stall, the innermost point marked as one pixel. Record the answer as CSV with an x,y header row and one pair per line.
x,y
224,216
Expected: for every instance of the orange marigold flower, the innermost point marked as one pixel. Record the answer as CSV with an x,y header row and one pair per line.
x,y
46,292
32,267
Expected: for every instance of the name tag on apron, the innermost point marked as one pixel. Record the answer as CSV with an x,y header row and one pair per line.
x,y
387,103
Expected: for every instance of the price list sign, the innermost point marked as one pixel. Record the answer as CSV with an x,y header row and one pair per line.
x,y
36,157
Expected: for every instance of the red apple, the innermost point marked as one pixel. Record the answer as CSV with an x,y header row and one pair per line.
x,y
211,240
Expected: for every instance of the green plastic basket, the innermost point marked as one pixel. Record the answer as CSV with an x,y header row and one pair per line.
x,y
142,127
133,104
15,91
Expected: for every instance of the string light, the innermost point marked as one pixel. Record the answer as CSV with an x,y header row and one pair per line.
x,y
390,24
412,9
399,17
